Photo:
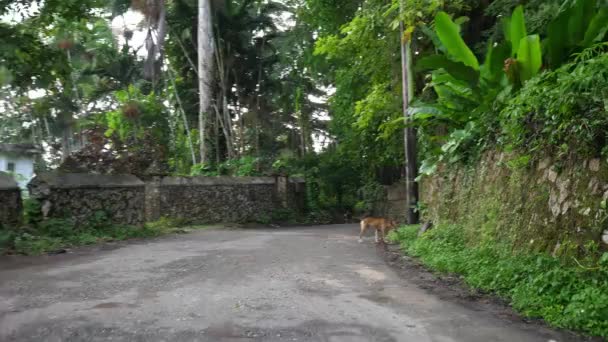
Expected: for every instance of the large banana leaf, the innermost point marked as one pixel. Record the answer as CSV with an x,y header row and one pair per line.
x,y
492,68
529,57
449,35
517,29
457,69
452,93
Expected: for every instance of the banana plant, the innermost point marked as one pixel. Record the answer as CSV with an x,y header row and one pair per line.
x,y
526,52
520,55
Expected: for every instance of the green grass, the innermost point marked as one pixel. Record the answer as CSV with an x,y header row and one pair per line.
x,y
54,234
572,296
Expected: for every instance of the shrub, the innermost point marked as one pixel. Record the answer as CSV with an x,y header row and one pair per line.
x,y
559,107
569,296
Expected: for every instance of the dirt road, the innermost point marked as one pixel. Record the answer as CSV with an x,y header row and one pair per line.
x,y
292,284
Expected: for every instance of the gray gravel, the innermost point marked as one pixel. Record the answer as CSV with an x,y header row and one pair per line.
x,y
292,284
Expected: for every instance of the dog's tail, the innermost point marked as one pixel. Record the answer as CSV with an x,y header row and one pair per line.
x,y
364,216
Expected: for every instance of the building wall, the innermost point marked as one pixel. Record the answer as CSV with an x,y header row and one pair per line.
x,y
24,167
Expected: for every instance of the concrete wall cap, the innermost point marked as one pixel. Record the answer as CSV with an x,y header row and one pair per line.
x,y
224,180
87,180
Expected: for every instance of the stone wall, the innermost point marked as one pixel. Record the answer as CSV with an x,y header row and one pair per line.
x,y
128,200
10,202
224,199
81,196
543,205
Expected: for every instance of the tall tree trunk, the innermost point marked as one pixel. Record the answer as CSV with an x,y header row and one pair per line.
x,y
411,168
205,70
156,13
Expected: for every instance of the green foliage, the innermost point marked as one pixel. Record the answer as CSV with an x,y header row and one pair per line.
x,y
372,194
31,244
529,57
559,107
32,213
550,111
579,24
139,115
242,167
597,28
449,35
41,236
565,295
7,238
515,29
284,216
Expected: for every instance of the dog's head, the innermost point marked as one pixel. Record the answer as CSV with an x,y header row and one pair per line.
x,y
392,224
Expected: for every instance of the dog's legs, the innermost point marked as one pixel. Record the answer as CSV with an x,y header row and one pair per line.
x,y
377,236
363,227
383,236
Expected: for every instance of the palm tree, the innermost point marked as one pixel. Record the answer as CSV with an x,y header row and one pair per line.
x,y
205,48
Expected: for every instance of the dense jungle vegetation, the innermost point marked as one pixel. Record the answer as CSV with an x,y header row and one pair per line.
x,y
300,86
314,88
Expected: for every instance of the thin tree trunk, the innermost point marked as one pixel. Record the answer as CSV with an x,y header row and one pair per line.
x,y
220,120
240,114
223,115
68,139
409,131
229,130
181,45
205,70
158,26
183,115
258,97
217,139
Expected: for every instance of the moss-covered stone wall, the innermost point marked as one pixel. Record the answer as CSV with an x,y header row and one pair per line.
x,y
554,207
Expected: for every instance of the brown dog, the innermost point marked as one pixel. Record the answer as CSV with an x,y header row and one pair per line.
x,y
381,224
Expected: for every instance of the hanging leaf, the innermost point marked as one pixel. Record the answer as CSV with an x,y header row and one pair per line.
x,y
557,44
449,35
433,37
529,57
517,29
492,68
582,12
597,27
506,28
457,69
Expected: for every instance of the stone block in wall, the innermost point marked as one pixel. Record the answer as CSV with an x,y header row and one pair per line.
x,y
80,196
396,192
10,202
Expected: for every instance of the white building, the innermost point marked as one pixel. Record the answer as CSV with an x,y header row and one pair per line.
x,y
18,160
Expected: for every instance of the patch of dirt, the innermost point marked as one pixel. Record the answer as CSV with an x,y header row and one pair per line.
x,y
452,288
